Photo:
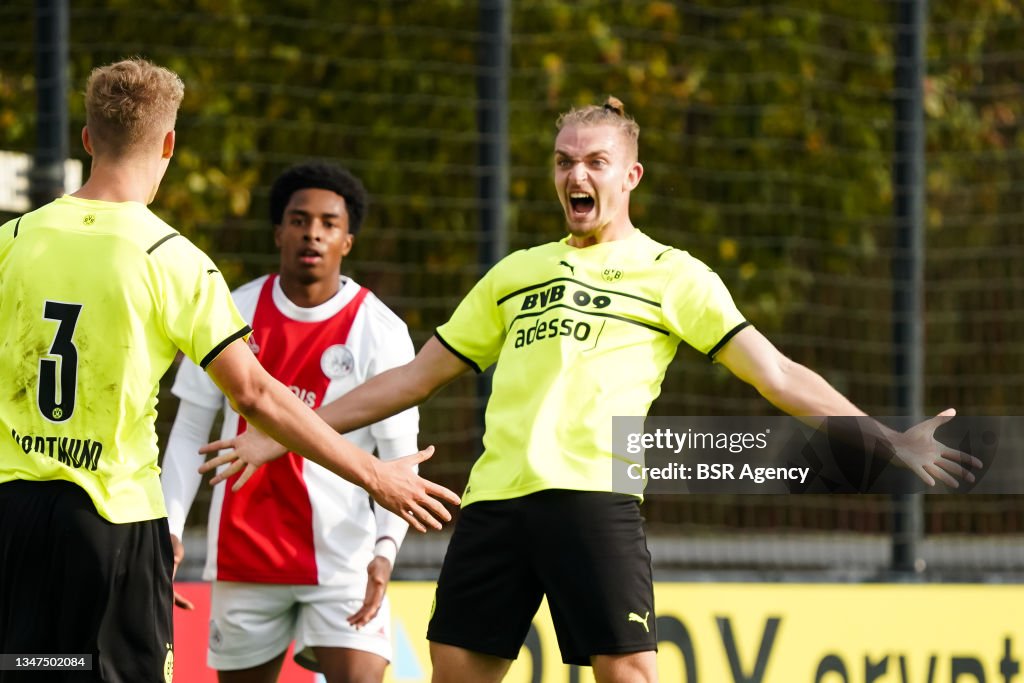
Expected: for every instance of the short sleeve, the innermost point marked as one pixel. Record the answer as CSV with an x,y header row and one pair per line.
x,y
392,347
200,316
698,307
193,385
475,332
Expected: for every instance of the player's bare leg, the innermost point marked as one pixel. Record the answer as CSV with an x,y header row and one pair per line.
x,y
636,667
263,673
345,665
457,665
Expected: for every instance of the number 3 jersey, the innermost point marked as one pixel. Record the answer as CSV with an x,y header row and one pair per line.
x,y
294,522
96,298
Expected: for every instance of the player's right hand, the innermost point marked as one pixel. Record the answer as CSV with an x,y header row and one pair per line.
x,y
248,450
415,499
397,486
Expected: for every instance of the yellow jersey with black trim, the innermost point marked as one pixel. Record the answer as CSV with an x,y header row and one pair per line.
x,y
579,336
96,299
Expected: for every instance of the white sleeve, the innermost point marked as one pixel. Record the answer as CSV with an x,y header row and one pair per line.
x,y
180,477
192,384
391,529
392,348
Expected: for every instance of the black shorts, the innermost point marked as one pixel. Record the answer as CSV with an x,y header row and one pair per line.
x,y
72,583
585,550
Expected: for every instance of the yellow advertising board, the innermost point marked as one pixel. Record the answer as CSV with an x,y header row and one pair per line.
x,y
783,633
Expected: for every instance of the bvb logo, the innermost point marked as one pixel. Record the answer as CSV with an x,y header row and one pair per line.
x,y
611,274
169,665
89,219
57,413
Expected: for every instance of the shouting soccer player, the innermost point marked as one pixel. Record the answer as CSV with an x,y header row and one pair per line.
x,y
582,330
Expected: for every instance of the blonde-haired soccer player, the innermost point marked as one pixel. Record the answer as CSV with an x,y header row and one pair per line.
x,y
584,328
98,296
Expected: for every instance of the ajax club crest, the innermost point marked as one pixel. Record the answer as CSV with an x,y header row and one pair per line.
x,y
337,361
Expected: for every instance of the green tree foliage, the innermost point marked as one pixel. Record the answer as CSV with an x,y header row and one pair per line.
x,y
767,137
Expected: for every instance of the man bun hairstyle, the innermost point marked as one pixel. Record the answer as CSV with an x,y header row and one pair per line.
x,y
319,175
611,113
615,105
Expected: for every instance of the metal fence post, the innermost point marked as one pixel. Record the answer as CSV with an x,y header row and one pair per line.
x,y
492,155
46,177
908,258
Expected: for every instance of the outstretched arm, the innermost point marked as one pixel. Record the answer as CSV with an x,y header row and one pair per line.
x,y
396,389
803,393
388,393
271,407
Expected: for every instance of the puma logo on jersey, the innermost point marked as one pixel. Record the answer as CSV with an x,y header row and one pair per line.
x,y
568,265
633,616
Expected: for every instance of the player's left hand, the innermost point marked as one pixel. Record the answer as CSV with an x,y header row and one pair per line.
x,y
178,549
378,574
919,451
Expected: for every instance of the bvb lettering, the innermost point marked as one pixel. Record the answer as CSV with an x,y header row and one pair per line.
x,y
543,298
557,293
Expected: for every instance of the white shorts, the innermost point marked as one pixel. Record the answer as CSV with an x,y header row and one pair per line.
x,y
251,623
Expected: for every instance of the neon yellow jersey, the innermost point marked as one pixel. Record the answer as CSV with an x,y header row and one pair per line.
x,y
97,298
579,336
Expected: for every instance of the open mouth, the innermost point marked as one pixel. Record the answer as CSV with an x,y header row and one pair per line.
x,y
309,256
581,203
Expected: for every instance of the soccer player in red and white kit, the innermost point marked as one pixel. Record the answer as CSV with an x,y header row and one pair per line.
x,y
299,553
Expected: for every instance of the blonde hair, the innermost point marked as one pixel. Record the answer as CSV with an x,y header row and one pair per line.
x,y
611,113
131,102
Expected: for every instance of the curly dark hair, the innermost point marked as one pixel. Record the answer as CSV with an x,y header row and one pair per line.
x,y
322,176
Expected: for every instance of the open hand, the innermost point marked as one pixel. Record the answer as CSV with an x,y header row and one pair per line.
x,y
397,486
919,451
415,499
247,451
